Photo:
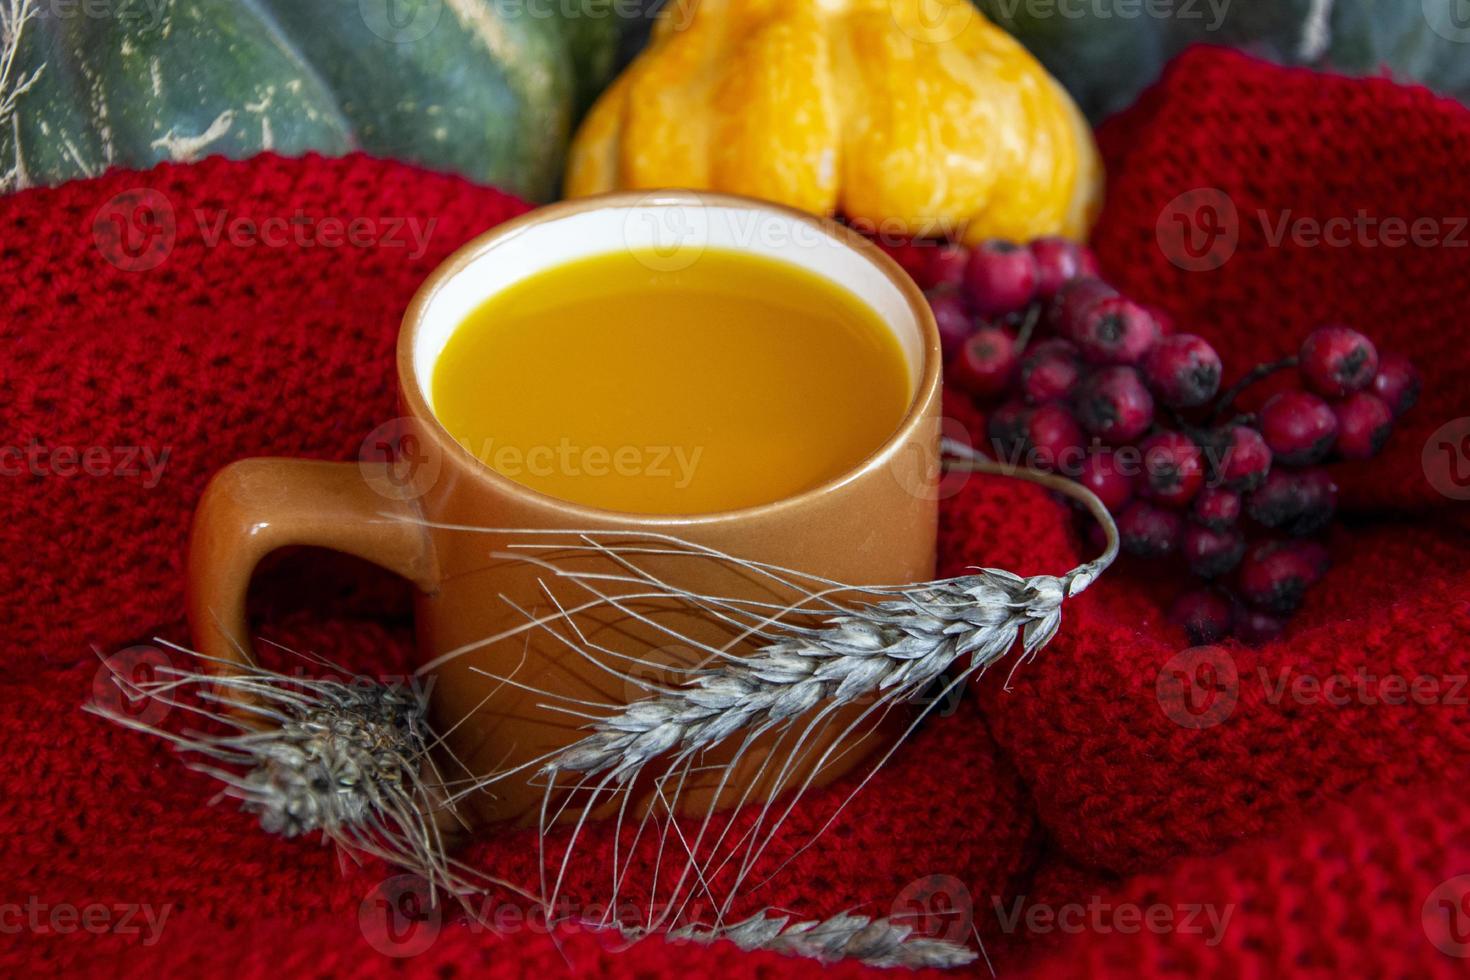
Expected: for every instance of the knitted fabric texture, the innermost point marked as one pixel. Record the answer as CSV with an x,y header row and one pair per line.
x,y
160,325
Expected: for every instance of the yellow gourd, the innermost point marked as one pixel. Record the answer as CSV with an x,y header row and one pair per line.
x,y
914,117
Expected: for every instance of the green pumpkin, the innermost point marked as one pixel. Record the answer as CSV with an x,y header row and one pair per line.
x,y
483,88
1107,51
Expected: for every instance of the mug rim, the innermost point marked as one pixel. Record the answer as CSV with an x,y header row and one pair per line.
x,y
416,402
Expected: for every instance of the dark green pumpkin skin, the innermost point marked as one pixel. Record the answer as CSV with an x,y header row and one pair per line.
x,y
125,89
1106,54
596,32
481,88
457,84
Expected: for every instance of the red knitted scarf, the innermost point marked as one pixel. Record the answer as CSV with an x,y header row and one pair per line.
x,y
1081,825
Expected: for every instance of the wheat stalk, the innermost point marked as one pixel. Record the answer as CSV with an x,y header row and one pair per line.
x,y
894,647
350,759
897,646
879,653
874,942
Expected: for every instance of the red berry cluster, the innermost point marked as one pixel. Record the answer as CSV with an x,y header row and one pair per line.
x,y
1084,381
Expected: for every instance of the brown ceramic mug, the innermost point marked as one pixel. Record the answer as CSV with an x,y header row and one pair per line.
x,y
873,525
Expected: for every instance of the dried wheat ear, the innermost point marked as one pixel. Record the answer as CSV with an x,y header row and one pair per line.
x,y
356,761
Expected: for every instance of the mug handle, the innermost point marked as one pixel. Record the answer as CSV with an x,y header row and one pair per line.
x,y
254,506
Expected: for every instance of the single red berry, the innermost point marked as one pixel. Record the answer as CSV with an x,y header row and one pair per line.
x,y
1116,331
1149,531
1241,457
1255,626
1006,429
1216,507
1204,614
1299,427
1072,303
1337,361
1364,424
952,316
1173,469
1000,278
1113,404
1053,438
944,265
1275,575
1101,474
1183,370
1058,262
1299,502
1397,383
1049,370
986,364
1212,553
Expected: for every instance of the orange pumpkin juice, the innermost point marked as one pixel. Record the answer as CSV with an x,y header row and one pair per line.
x,y
737,381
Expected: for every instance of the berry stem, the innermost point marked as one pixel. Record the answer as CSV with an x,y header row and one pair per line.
x,y
1256,374
1201,434
1179,424
962,458
1028,327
